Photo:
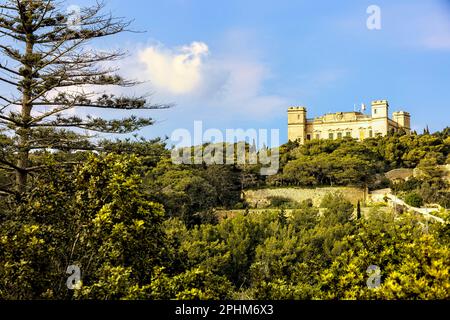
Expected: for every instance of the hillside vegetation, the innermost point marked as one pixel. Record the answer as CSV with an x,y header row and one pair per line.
x,y
141,227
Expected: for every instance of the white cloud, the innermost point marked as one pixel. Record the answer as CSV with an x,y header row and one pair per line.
x,y
204,84
177,71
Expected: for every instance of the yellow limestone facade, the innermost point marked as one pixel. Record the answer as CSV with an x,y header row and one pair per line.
x,y
346,124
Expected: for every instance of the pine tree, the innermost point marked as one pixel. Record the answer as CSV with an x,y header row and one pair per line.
x,y
49,72
358,210
282,217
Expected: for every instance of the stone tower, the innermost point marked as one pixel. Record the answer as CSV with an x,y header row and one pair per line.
x,y
403,119
380,109
297,123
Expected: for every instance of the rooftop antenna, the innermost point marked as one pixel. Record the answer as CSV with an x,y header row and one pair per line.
x,y
363,107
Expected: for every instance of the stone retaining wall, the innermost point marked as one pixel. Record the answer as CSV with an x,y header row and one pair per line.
x,y
260,198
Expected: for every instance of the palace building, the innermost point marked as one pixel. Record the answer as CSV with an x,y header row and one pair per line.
x,y
357,125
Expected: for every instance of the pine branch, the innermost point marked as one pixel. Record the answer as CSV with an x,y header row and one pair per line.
x,y
5,99
43,16
9,119
10,164
7,192
13,36
3,6
9,70
100,125
9,82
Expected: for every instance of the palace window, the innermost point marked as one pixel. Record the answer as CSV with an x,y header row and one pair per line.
x,y
331,136
361,135
339,135
308,137
370,133
318,136
348,134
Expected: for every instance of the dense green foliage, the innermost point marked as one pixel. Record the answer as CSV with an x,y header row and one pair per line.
x,y
95,217
414,200
143,228
348,162
138,226
193,192
429,187
126,251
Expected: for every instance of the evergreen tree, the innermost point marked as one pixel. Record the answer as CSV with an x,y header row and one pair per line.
x,y
50,70
282,218
358,210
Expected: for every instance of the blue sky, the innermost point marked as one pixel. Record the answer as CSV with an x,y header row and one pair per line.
x,y
241,64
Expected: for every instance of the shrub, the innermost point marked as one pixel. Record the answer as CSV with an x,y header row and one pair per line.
x,y
414,200
281,202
